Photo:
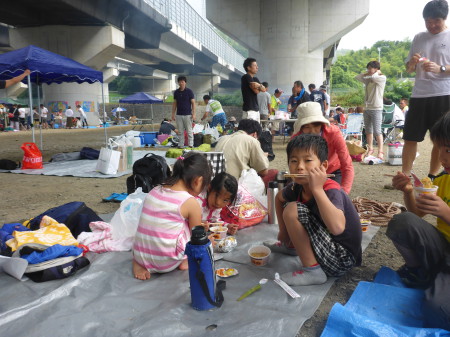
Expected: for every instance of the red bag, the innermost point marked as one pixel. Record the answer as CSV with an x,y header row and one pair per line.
x,y
32,157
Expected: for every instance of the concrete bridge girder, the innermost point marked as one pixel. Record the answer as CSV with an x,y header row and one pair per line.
x,y
289,38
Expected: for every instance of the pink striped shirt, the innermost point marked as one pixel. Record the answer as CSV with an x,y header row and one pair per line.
x,y
162,232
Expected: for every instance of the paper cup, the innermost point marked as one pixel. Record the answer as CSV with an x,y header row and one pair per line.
x,y
259,255
220,231
422,190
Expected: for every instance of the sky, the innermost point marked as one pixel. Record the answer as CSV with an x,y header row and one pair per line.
x,y
392,20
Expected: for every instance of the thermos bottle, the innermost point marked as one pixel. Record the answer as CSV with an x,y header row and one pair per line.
x,y
202,277
272,191
281,180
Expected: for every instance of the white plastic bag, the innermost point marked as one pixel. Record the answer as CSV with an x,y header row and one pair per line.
x,y
198,128
124,145
254,185
126,219
212,131
108,161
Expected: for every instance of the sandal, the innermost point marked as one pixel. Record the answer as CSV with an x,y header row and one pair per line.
x,y
380,155
369,152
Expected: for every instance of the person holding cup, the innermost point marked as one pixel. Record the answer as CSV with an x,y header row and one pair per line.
x,y
426,248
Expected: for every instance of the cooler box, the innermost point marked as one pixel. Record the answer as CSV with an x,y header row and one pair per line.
x,y
148,138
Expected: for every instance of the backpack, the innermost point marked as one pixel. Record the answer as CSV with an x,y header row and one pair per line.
x,y
149,171
6,164
266,144
75,215
89,153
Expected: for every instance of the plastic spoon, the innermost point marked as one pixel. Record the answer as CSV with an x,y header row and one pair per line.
x,y
252,290
417,182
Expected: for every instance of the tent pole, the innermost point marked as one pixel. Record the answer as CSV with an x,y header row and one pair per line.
x,y
39,111
151,108
104,115
30,102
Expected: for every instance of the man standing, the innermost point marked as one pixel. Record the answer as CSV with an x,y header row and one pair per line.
x,y
242,149
317,96
299,96
374,82
82,116
216,109
275,106
184,106
430,59
327,102
44,116
250,87
264,103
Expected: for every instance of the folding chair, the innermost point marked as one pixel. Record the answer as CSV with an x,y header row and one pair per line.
x,y
354,126
388,122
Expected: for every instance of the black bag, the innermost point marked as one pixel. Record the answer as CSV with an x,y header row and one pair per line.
x,y
89,153
75,215
198,139
266,144
6,164
149,171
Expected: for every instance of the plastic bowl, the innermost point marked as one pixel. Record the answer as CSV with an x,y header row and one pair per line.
x,y
221,231
259,255
422,190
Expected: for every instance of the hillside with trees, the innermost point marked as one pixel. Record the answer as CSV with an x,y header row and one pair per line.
x,y
348,92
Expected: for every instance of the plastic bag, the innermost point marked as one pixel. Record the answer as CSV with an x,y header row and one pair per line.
x,y
126,219
212,131
198,128
125,147
32,157
254,185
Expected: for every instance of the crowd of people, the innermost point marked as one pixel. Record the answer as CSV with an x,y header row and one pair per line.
x,y
317,220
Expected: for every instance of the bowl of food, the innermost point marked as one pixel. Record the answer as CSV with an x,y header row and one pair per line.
x,y
219,232
259,255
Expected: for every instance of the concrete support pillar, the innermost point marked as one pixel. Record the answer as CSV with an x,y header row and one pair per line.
x,y
202,85
159,88
288,37
93,46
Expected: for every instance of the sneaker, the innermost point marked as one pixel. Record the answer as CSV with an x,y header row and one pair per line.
x,y
278,247
414,277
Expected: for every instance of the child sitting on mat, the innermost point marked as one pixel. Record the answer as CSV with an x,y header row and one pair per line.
x,y
169,213
426,248
317,220
221,192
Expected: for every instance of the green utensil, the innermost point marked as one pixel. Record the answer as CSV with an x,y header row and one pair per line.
x,y
252,290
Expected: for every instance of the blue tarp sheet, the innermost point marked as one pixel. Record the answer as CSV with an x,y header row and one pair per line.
x,y
382,308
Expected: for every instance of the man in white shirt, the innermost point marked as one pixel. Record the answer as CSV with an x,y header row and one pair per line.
x,y
214,107
82,116
429,58
44,116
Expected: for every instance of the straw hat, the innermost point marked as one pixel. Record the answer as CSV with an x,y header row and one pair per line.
x,y
309,112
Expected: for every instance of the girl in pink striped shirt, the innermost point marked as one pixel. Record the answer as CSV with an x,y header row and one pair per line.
x,y
168,214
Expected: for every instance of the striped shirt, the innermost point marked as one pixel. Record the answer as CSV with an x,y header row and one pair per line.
x,y
162,232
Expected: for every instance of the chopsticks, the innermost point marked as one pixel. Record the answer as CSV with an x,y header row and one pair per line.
x,y
289,175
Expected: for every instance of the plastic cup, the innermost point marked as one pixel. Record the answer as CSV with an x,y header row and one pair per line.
x,y
259,255
422,190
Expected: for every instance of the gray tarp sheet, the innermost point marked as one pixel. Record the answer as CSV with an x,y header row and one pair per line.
x,y
84,168
105,300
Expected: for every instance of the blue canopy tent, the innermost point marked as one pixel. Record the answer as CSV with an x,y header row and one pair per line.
x,y
46,67
142,98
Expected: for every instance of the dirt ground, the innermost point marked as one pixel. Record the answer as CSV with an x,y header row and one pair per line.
x,y
25,196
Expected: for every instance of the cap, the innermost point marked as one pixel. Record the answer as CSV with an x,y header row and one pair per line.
x,y
309,112
323,87
278,90
232,119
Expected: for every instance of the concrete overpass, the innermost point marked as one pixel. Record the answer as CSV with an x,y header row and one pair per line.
x,y
159,39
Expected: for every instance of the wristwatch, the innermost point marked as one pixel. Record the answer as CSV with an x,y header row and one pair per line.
x,y
443,69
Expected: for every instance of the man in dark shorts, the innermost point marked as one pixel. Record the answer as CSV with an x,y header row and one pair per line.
x,y
250,87
430,98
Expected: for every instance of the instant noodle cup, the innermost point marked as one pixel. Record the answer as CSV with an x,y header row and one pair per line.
x,y
220,232
259,255
418,190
